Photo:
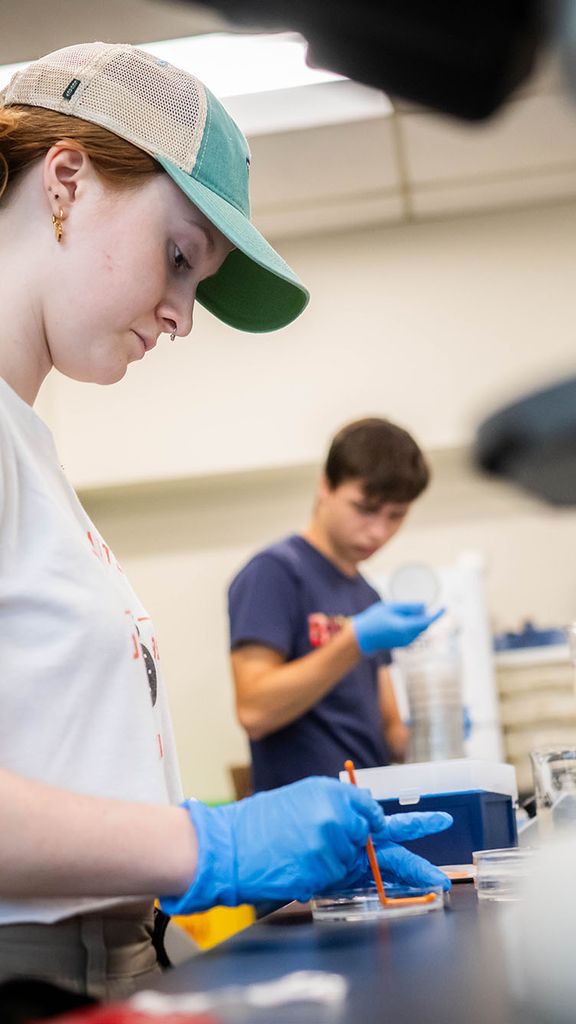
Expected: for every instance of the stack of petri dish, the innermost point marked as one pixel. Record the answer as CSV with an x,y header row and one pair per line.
x,y
431,669
500,873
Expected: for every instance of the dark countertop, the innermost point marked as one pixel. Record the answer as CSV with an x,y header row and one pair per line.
x,y
445,967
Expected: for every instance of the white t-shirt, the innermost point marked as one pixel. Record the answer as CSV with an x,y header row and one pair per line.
x,y
82,705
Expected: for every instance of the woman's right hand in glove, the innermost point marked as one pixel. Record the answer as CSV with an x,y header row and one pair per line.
x,y
286,844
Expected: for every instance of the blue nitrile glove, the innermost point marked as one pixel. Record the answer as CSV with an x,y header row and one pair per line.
x,y
383,625
299,840
398,864
282,845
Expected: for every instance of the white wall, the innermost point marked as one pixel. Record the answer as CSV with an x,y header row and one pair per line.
x,y
180,547
431,325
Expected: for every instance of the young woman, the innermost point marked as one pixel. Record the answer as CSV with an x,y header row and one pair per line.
x,y
124,199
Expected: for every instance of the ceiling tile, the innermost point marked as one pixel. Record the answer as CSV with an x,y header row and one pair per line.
x,y
323,163
537,132
299,108
333,215
491,193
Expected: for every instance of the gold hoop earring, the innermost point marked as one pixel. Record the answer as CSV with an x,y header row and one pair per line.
x,y
57,224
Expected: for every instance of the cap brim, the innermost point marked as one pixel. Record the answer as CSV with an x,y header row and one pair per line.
x,y
254,290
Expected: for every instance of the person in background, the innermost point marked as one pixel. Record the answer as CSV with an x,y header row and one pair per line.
x,y
124,198
310,637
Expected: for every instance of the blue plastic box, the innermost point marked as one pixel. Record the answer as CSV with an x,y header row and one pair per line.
x,y
480,795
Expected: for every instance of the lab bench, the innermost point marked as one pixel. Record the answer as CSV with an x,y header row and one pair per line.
x,y
442,968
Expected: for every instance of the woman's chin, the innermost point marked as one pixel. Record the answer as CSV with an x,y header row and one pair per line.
x,y
95,374
112,377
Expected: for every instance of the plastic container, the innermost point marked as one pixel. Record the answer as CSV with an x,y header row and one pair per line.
x,y
500,873
364,904
431,668
480,796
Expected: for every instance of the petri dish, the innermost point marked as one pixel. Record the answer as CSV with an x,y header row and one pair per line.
x,y
500,873
363,904
414,582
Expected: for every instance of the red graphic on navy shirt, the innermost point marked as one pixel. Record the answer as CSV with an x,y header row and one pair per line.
x,y
322,628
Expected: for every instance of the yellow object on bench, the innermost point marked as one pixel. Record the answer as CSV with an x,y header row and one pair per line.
x,y
215,925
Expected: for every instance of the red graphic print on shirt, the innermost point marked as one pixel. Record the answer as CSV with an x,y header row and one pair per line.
x,y
321,627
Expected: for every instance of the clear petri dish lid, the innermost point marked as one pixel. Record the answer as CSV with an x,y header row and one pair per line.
x,y
363,903
500,874
414,582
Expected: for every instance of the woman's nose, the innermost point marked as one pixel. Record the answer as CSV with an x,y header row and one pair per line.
x,y
186,319
179,320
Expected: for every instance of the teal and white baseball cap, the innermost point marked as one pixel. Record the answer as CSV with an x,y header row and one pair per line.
x,y
172,116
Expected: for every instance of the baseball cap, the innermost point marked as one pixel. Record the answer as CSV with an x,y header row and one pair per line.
x,y
172,116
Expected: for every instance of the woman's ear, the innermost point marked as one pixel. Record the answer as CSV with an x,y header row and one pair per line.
x,y
66,167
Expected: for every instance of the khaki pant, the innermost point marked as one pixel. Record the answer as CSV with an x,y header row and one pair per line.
x,y
106,955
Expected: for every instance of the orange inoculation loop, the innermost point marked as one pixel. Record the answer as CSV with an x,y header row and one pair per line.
x,y
385,900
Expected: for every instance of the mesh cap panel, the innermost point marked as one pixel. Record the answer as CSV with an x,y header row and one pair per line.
x,y
162,111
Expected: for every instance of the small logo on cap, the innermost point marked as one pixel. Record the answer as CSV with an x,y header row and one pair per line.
x,y
71,89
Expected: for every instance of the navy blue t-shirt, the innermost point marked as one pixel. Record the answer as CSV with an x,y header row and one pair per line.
x,y
289,598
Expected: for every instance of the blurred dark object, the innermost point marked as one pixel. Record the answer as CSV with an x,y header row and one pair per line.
x,y
28,999
462,57
532,443
529,805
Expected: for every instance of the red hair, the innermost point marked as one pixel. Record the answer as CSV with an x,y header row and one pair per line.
x,y
27,133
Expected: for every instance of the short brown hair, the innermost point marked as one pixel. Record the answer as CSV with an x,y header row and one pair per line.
x,y
27,133
383,456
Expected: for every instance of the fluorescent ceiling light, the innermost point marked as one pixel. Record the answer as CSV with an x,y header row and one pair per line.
x,y
264,81
233,64
239,65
